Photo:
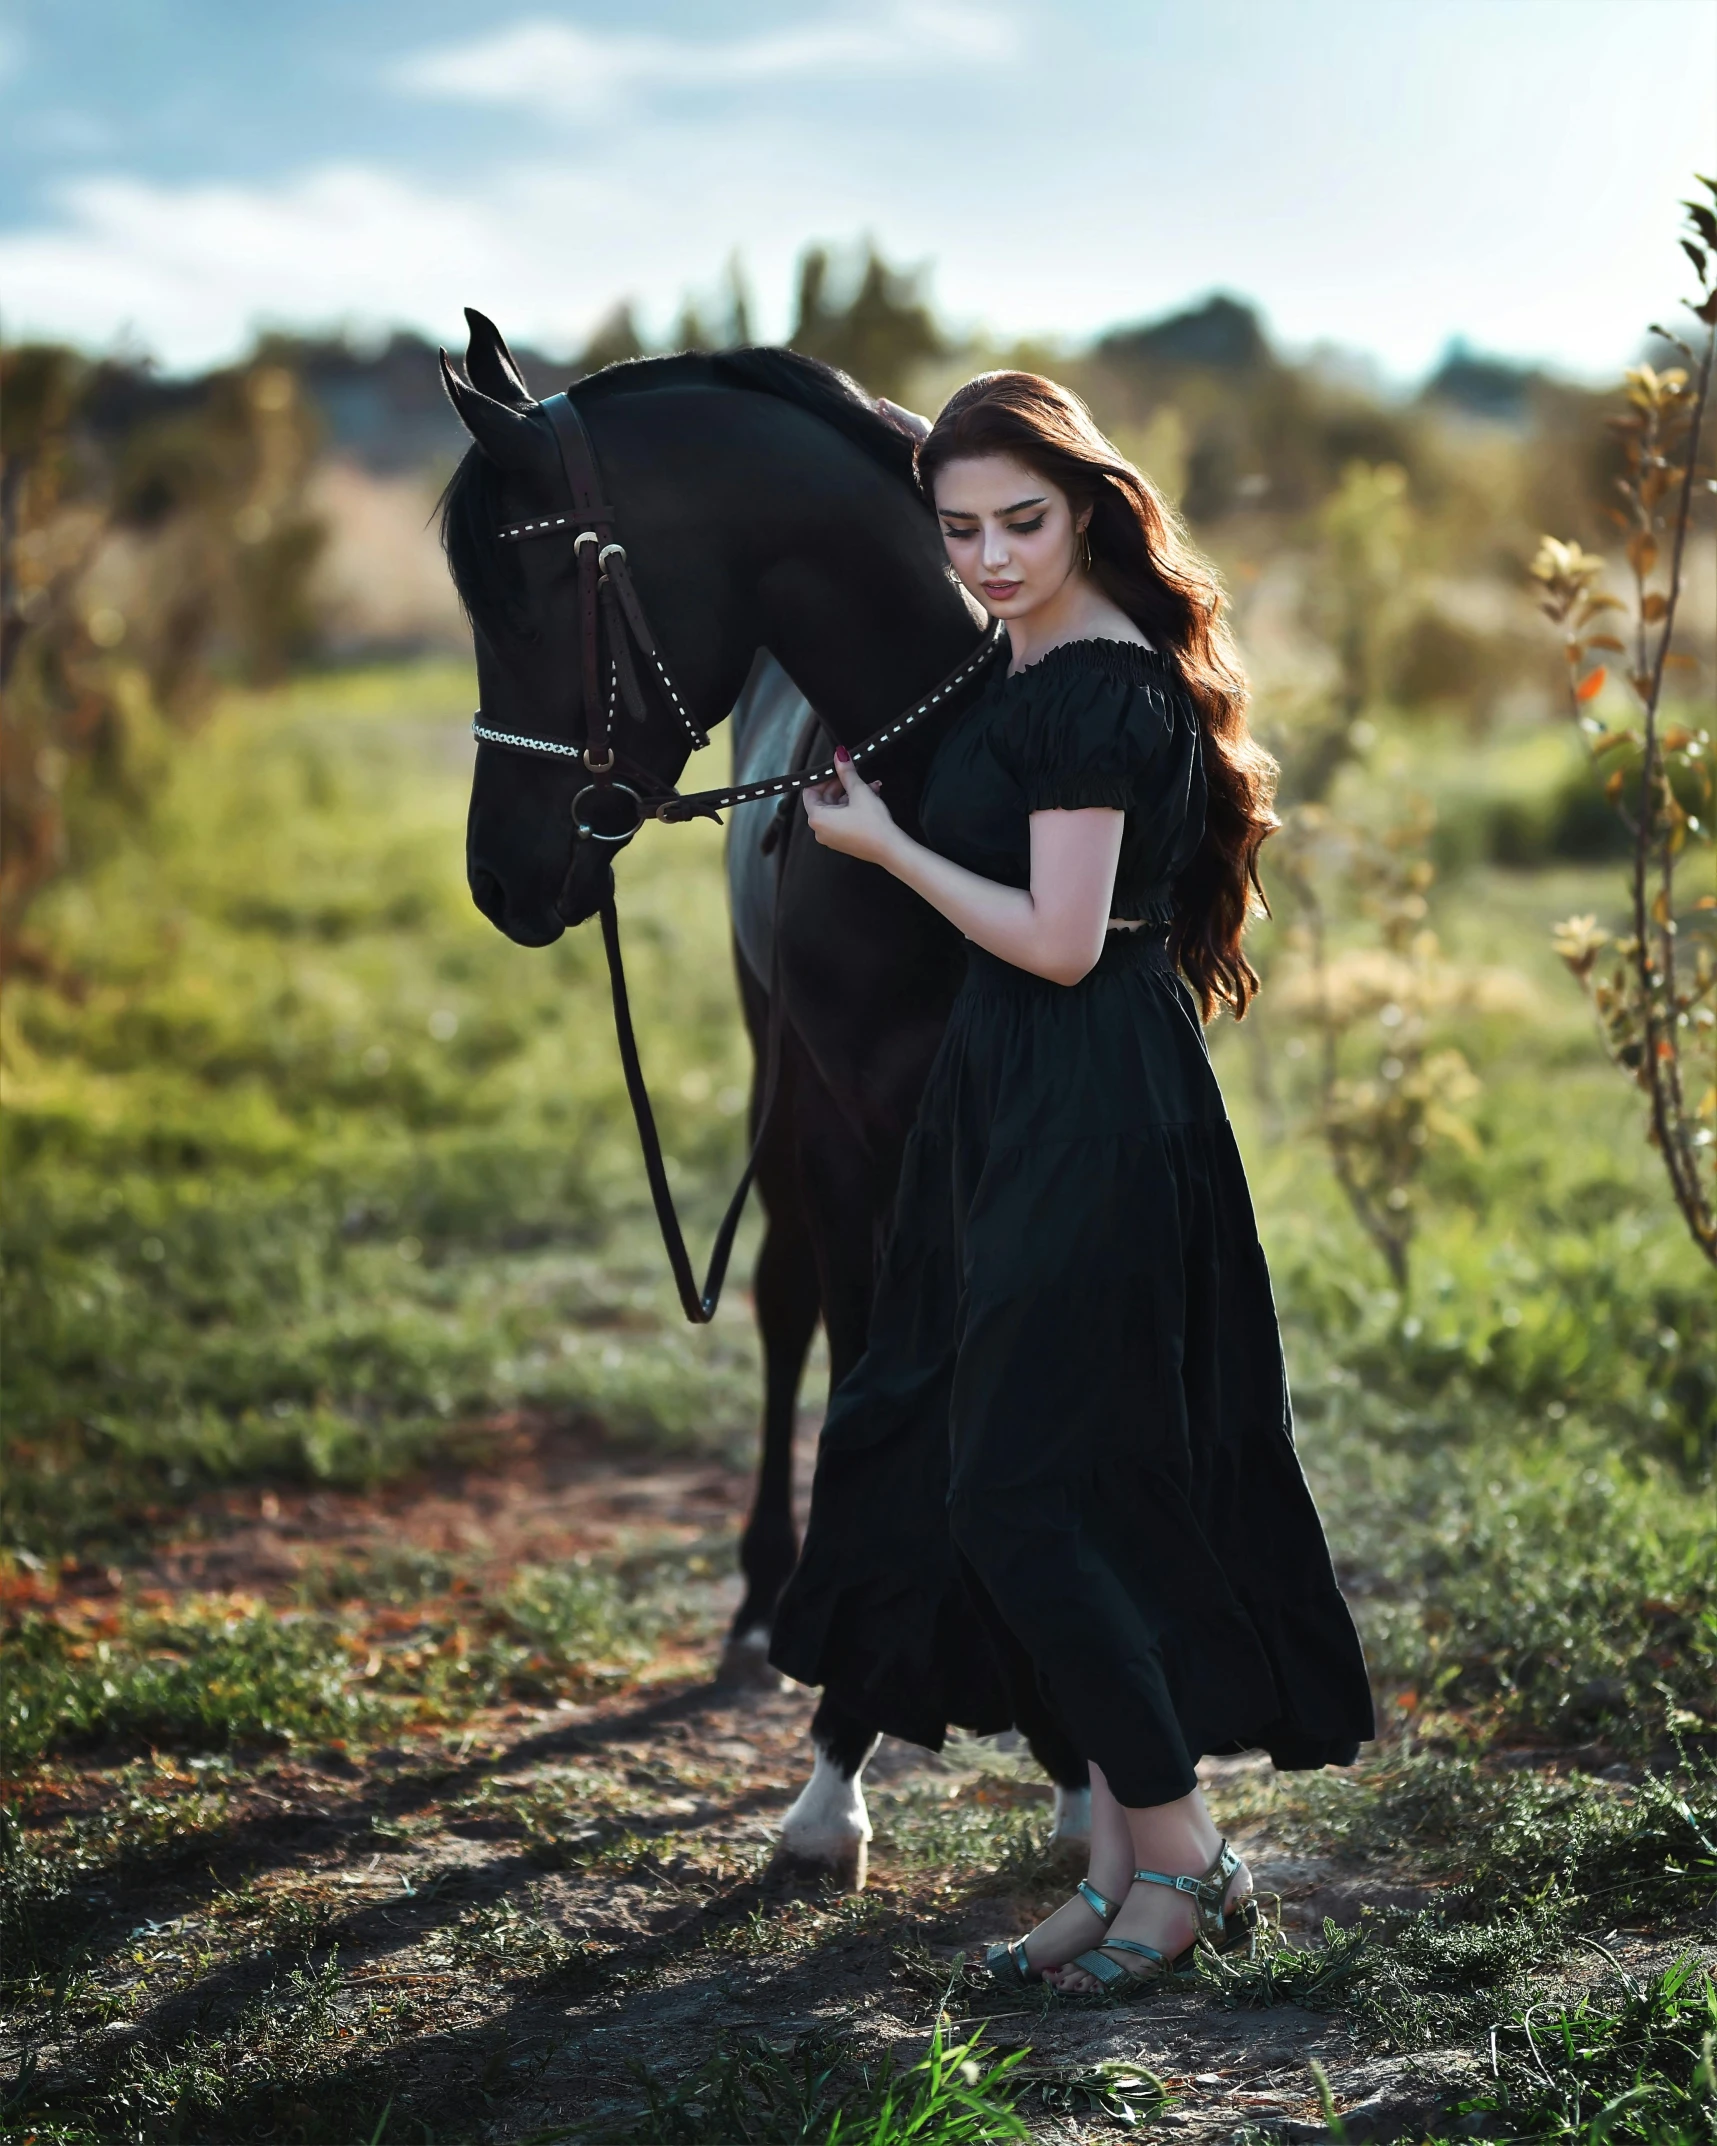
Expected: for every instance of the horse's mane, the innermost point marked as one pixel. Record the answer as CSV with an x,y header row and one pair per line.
x,y
470,506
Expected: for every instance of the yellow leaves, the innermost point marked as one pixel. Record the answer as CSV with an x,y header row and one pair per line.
x,y
1569,576
1642,552
1579,941
1557,562
1652,391
1654,607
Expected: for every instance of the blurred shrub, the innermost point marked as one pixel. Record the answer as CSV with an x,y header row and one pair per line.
x,y
1385,1090
148,536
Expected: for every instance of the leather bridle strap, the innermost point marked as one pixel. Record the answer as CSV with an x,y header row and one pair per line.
x,y
699,802
595,529
699,1305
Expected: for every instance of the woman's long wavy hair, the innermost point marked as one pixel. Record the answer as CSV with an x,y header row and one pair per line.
x,y
1143,559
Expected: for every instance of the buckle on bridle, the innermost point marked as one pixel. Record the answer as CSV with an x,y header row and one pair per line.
x,y
598,767
603,791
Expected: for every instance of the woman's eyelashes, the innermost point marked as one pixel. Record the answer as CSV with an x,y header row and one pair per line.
x,y
1013,529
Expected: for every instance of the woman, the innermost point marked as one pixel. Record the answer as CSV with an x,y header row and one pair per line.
x,y
1072,1422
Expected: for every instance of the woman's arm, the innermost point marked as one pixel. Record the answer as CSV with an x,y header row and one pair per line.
x,y
1055,928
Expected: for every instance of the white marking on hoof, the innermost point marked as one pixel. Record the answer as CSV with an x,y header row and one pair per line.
x,y
829,1826
1072,1815
745,1662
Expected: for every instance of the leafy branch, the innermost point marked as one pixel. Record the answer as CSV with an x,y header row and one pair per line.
x,y
1653,998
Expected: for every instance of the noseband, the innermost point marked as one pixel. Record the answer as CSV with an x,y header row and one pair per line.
x,y
612,620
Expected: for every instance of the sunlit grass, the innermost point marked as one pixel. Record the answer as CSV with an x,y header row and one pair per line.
x,y
316,1165
318,1176
207,1672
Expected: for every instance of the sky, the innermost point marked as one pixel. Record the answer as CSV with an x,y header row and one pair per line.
x,y
1381,175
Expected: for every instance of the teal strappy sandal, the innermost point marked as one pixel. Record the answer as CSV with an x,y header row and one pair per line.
x,y
1008,1965
1221,1927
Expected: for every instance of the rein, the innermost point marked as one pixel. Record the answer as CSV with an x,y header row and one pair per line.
x,y
608,597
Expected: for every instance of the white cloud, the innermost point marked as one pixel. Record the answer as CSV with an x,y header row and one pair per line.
x,y
563,71
1057,208
545,248
192,269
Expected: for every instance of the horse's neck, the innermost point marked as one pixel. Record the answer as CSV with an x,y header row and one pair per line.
x,y
859,607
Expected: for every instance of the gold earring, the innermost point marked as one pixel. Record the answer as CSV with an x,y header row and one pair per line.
x,y
1085,539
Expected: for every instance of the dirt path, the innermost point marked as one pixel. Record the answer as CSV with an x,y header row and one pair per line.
x,y
502,1925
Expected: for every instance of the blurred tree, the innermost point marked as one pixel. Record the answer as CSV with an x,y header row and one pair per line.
x,y
732,330
1655,991
612,342
1354,603
1259,434
881,334
146,536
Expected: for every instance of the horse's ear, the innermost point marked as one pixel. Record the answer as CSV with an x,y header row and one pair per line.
x,y
507,436
490,365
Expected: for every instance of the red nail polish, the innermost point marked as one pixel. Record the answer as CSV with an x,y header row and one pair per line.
x,y
841,753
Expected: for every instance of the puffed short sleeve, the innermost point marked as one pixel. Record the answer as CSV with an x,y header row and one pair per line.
x,y
1086,737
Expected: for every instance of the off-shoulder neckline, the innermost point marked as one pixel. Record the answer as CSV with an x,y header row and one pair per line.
x,y
1096,651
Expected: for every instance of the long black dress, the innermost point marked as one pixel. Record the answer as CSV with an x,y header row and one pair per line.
x,y
1062,1478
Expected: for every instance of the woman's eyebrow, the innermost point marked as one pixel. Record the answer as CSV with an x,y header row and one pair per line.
x,y
968,514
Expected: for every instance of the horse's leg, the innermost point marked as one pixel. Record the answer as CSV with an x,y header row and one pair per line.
x,y
785,1293
1050,1747
828,1825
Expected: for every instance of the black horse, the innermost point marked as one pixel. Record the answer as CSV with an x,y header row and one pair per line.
x,y
766,506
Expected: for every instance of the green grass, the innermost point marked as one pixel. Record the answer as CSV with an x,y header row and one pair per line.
x,y
1633,2065
317,1167
315,1176
819,2094
211,1672
1525,1865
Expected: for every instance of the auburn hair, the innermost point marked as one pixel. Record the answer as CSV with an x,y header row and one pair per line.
x,y
1144,561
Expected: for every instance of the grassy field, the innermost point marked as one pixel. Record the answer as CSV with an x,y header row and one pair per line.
x,y
324,1226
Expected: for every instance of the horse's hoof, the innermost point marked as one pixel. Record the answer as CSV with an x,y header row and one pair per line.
x,y
843,1869
825,1834
744,1664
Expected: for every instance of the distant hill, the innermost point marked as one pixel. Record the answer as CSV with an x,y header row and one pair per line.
x,y
1478,386
1222,335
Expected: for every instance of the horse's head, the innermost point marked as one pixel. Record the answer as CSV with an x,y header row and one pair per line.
x,y
761,500
529,872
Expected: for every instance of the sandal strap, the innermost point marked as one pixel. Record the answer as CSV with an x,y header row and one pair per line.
x,y
1106,1973
1207,1894
1126,1944
1009,1964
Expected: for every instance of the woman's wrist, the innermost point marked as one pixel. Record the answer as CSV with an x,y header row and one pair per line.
x,y
897,851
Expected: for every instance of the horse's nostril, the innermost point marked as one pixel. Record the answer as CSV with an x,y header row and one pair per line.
x,y
489,895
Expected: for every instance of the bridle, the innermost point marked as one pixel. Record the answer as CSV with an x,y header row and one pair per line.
x,y
612,620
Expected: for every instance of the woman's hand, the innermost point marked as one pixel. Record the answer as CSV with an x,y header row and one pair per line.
x,y
848,815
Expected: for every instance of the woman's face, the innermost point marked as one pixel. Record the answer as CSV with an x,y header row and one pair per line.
x,y
1012,536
